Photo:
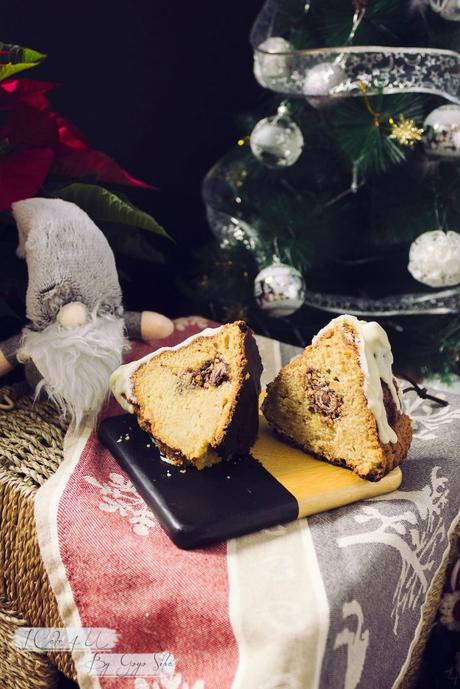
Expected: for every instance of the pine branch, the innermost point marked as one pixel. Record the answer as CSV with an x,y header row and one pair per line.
x,y
363,138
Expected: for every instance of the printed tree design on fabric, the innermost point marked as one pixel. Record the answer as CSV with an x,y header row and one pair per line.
x,y
413,533
428,418
118,495
356,643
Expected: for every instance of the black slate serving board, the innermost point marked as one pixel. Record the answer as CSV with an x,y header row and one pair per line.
x,y
197,508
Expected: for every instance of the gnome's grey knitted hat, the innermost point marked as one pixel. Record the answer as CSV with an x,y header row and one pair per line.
x,y
68,260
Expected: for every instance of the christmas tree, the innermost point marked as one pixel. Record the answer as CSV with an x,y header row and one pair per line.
x,y
342,194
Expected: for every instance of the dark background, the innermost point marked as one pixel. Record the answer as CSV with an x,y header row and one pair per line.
x,y
157,84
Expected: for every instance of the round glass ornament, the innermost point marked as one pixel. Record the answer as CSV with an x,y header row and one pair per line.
x,y
271,61
442,132
434,258
279,290
448,9
276,141
320,80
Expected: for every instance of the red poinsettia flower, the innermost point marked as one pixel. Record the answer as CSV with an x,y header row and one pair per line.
x,y
12,91
37,141
22,174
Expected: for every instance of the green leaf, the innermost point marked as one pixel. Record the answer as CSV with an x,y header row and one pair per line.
x,y
14,59
103,205
134,244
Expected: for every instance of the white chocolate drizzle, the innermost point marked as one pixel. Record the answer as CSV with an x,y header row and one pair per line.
x,y
376,361
121,380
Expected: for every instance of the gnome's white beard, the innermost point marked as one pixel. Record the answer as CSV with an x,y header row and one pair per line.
x,y
76,363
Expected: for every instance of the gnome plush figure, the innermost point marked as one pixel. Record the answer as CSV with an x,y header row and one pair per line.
x,y
77,329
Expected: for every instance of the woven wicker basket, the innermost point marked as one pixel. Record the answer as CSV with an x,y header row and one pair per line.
x,y
31,449
21,669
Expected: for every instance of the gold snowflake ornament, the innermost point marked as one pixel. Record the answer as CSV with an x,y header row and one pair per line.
x,y
405,132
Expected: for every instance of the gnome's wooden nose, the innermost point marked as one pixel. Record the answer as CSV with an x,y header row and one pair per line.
x,y
73,314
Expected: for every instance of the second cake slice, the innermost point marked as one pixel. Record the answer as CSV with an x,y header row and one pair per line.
x,y
339,400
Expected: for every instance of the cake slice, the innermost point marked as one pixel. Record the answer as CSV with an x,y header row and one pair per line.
x,y
199,399
339,400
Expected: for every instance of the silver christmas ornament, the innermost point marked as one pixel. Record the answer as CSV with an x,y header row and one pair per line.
x,y
442,132
271,61
276,141
434,258
448,9
320,81
232,231
279,290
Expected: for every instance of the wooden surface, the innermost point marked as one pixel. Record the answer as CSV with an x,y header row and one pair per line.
x,y
317,486
235,497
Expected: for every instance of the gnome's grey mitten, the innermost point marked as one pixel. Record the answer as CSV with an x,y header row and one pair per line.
x,y
10,348
133,324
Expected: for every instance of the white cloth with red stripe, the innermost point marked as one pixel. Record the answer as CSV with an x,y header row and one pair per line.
x,y
322,603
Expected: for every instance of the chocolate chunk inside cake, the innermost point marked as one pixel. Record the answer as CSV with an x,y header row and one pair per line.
x,y
198,400
339,400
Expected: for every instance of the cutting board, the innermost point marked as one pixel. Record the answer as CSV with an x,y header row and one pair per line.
x,y
275,485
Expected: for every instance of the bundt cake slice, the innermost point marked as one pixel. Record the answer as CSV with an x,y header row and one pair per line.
x,y
340,401
199,399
